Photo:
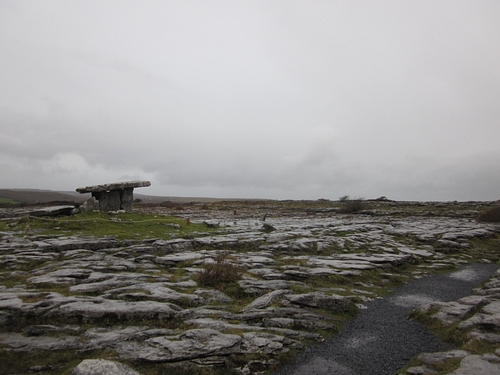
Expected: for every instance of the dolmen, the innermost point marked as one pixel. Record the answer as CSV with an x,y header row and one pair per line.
x,y
112,197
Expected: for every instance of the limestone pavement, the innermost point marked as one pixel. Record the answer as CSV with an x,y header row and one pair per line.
x,y
142,301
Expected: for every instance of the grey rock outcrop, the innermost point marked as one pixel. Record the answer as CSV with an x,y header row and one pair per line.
x,y
112,197
102,366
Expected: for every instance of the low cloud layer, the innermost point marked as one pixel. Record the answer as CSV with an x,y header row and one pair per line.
x,y
286,100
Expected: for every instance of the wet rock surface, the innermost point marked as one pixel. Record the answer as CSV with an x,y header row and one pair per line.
x,y
142,300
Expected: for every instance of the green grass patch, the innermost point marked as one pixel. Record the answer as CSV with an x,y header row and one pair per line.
x,y
484,248
481,347
120,226
447,333
8,201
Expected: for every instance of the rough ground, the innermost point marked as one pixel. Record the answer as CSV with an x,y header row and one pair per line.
x,y
305,269
381,340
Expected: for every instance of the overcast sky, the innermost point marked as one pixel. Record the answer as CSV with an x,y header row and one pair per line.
x,y
253,99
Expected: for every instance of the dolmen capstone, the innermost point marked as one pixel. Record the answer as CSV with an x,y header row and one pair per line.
x,y
112,197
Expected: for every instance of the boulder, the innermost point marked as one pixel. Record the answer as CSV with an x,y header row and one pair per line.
x,y
102,366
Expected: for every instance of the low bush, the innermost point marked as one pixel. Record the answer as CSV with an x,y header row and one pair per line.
x,y
220,273
352,205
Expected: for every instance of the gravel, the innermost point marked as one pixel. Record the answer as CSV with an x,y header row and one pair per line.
x,y
381,340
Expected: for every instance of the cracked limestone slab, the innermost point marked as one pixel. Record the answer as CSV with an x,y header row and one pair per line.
x,y
265,300
194,343
97,308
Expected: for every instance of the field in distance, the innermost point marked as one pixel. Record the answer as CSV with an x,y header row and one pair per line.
x,y
33,196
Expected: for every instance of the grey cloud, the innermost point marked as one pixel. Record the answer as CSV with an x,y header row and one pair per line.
x,y
264,99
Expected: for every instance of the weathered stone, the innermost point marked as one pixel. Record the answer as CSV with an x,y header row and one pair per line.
x,y
195,343
261,342
173,259
265,300
278,322
491,308
451,312
478,365
473,300
491,322
63,276
211,296
99,337
73,243
64,210
103,285
153,292
320,300
102,366
113,186
100,308
172,246
115,196
259,286
474,320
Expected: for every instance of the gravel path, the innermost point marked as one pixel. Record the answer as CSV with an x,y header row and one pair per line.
x,y
381,340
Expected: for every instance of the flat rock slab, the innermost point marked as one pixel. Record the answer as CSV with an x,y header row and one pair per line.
x,y
53,211
320,300
478,365
113,186
195,343
99,308
102,366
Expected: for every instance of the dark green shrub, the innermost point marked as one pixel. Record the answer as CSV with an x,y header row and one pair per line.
x,y
352,205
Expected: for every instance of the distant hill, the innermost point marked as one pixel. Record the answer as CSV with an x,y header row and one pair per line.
x,y
32,196
29,196
158,199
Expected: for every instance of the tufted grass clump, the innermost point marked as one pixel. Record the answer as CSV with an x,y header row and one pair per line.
x,y
221,273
